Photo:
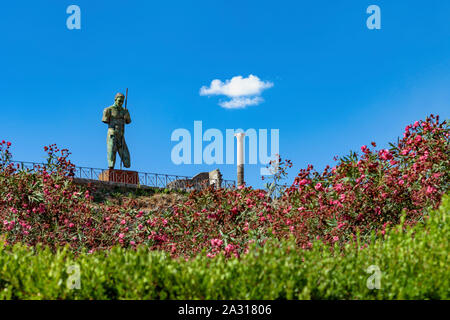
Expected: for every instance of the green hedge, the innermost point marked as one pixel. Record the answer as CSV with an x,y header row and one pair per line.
x,y
413,265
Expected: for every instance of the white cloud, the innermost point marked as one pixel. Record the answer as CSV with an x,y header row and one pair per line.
x,y
237,102
242,91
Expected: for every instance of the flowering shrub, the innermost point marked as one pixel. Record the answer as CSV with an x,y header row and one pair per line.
x,y
278,169
359,195
411,268
367,193
5,155
42,206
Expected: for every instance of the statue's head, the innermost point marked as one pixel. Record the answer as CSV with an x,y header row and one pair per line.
x,y
119,98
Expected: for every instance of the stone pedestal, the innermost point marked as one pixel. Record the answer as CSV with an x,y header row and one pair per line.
x,y
120,176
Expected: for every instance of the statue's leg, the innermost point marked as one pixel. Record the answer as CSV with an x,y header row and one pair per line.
x,y
111,151
125,155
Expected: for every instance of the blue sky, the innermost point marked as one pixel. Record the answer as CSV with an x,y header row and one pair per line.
x,y
336,84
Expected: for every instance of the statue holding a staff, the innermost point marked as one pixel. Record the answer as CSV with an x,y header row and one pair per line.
x,y
116,117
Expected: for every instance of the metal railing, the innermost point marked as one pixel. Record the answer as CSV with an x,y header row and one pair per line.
x,y
156,180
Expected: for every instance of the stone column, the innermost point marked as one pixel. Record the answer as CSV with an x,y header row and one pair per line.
x,y
240,158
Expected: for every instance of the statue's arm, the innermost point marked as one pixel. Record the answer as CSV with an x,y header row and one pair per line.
x,y
106,115
127,117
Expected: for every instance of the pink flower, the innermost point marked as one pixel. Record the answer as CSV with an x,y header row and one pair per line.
x,y
216,242
318,187
211,216
340,225
123,222
229,248
132,242
385,154
303,182
431,190
121,235
335,238
71,225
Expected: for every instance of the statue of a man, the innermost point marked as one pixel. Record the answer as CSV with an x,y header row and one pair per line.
x,y
116,117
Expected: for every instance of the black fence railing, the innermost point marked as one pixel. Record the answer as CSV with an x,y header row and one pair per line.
x,y
156,180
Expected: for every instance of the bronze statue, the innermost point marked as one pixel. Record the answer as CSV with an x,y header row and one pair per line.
x,y
117,117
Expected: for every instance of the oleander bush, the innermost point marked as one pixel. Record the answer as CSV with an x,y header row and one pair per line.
x,y
412,262
361,194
